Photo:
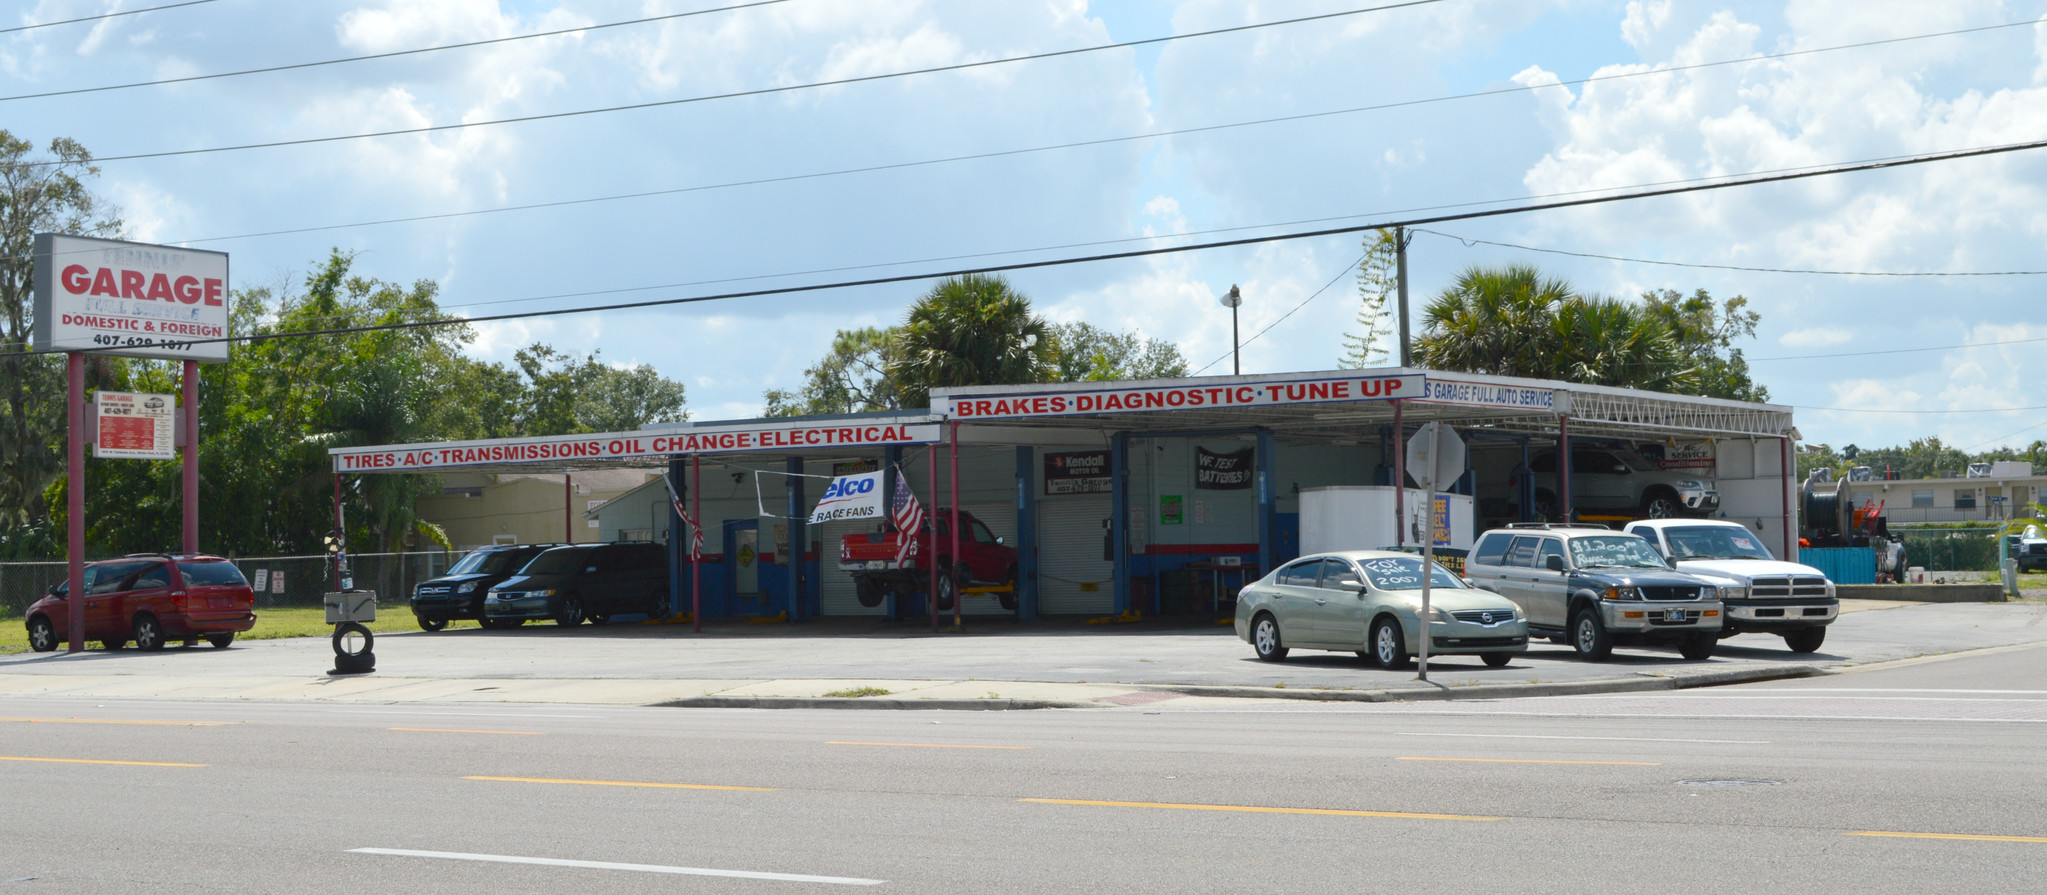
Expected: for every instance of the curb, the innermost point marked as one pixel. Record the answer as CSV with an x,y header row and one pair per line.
x,y
868,702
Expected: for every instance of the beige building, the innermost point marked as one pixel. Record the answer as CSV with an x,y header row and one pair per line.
x,y
478,510
1992,493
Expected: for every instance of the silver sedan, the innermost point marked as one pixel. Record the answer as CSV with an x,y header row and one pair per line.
x,y
1369,602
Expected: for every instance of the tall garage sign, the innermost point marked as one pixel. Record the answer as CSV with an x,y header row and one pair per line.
x,y
106,296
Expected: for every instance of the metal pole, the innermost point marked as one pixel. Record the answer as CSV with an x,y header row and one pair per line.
x,y
931,562
1236,356
1790,553
191,410
696,564
1400,276
74,495
1564,500
1429,544
568,508
1399,477
953,465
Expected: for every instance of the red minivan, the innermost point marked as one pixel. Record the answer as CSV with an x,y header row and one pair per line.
x,y
151,598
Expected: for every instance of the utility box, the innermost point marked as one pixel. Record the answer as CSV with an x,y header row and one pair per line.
x,y
1361,517
350,606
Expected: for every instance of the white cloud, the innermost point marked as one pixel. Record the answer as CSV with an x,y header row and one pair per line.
x,y
1643,20
1816,338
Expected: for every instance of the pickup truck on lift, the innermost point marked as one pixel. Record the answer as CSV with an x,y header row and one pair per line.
x,y
871,559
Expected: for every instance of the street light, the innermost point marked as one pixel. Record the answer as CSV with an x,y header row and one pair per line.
x,y
1231,300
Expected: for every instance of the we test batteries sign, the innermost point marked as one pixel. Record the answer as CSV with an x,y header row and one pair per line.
x,y
130,298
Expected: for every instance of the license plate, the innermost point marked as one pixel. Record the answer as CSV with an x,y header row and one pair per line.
x,y
1673,615
877,564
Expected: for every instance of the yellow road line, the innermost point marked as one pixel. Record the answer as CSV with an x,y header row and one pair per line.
x,y
1947,836
524,733
1650,764
919,745
625,783
151,764
99,721
1260,809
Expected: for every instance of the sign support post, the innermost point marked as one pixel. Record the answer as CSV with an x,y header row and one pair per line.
x,y
74,495
1435,456
191,445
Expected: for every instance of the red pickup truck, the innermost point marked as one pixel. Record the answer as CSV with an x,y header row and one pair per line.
x,y
871,559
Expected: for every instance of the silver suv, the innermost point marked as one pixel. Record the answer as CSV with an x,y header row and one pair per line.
x,y
1592,587
1619,480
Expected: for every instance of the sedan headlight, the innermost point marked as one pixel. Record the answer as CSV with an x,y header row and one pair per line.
x,y
1623,593
1733,592
1439,614
467,587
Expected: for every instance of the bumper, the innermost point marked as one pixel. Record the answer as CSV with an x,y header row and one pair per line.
x,y
1700,501
1642,617
1777,615
1454,638
463,606
215,621
536,607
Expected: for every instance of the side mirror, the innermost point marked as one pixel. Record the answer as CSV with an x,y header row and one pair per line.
x,y
1554,563
54,590
999,541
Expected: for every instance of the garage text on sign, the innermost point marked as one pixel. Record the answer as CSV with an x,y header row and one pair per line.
x,y
130,298
636,445
1174,397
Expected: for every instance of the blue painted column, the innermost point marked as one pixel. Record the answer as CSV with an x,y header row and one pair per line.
x,y
678,535
1026,533
1119,516
799,537
1267,503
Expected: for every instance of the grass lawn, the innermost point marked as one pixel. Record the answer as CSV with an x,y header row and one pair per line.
x,y
271,624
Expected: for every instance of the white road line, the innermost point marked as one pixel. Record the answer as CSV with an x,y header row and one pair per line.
x,y
1902,690
607,865
1535,736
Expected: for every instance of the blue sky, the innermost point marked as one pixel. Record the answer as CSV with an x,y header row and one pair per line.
x,y
1964,351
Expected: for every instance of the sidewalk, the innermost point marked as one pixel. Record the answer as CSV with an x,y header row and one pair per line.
x,y
996,665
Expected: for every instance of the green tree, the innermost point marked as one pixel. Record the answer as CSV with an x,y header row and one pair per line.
x,y
1705,334
1084,352
969,330
1603,341
36,195
1924,458
1493,320
852,377
567,395
1378,281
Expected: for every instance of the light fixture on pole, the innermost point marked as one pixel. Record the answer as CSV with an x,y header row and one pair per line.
x,y
1231,300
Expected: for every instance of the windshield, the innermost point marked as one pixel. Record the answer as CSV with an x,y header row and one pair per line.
x,y
1714,542
557,561
201,574
1621,551
1401,573
488,562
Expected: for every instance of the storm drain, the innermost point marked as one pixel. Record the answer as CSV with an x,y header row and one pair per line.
x,y
1730,782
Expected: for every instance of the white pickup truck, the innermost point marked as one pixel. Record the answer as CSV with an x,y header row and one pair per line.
x,y
1794,601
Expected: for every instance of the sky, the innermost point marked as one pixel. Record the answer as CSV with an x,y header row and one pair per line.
x,y
1480,104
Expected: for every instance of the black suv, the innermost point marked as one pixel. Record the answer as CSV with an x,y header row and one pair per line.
x,y
459,594
583,582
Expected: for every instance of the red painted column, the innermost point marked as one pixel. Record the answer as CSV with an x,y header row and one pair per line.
x,y
696,563
74,494
191,412
1399,476
568,508
931,562
959,600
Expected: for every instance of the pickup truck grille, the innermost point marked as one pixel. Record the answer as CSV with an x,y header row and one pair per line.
x,y
1675,593
1779,588
434,591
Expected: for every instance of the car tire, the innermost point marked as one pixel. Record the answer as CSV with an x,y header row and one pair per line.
x,y
148,633
42,637
1698,647
948,590
346,637
868,591
221,640
1008,598
1265,640
1496,660
569,612
431,622
1389,645
1589,636
1805,640
599,619
1661,505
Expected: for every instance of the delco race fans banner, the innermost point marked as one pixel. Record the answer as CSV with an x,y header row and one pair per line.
x,y
1318,390
407,458
849,498
1222,472
130,298
1077,472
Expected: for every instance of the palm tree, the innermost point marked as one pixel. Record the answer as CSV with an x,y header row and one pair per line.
x,y
1492,320
1602,341
969,330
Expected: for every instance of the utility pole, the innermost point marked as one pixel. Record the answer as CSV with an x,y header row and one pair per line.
x,y
1400,274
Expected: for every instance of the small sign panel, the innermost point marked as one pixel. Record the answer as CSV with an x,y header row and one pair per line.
x,y
1077,472
136,426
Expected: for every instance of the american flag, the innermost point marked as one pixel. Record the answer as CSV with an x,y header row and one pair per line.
x,y
908,516
696,532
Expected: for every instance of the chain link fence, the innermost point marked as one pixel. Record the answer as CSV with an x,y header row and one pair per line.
x,y
1950,549
279,581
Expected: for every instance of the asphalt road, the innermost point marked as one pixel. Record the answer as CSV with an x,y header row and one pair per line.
x,y
1849,783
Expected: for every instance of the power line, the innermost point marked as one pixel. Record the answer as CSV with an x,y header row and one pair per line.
x,y
762,91
111,15
1104,141
1942,410
1899,350
1721,183
1471,241
391,55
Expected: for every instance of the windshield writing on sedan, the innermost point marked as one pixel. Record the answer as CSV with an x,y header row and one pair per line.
x,y
1394,573
1623,551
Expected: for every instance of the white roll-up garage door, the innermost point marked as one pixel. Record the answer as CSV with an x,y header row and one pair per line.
x,y
1073,578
